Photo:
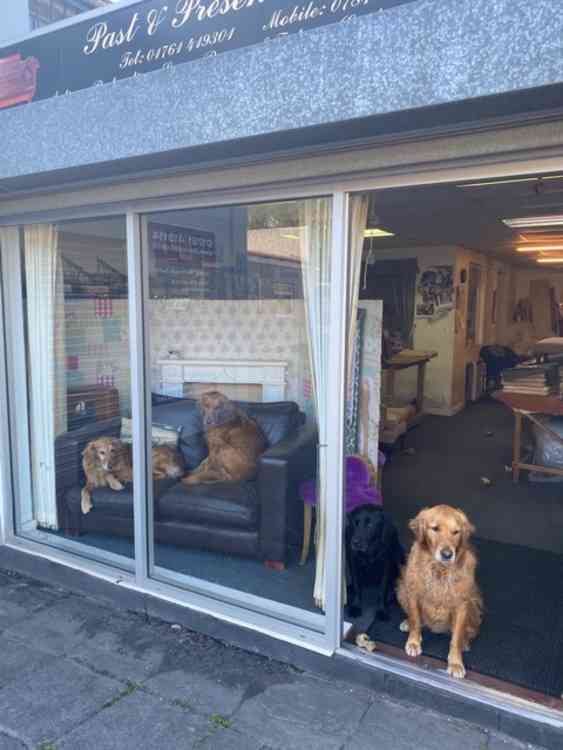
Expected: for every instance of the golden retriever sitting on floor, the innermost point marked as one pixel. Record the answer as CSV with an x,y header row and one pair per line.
x,y
437,587
234,441
108,462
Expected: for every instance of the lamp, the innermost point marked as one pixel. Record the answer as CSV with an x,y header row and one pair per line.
x,y
538,248
534,221
378,232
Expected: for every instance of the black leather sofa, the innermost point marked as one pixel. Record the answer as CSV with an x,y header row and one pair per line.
x,y
262,518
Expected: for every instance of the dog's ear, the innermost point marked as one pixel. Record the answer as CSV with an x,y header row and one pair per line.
x,y
418,525
90,451
467,528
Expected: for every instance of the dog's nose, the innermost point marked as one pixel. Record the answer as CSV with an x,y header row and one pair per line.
x,y
446,553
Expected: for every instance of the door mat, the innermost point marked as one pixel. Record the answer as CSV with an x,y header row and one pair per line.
x,y
521,639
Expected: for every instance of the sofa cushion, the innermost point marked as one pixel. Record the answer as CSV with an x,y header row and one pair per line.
x,y
277,419
221,504
184,413
115,503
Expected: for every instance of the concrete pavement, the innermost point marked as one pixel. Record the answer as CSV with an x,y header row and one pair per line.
x,y
78,675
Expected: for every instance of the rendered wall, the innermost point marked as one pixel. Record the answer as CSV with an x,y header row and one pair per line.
x,y
420,54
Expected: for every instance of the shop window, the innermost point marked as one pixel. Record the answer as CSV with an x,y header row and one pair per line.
x,y
71,337
237,310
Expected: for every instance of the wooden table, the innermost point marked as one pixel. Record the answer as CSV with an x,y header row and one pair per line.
x,y
402,361
525,406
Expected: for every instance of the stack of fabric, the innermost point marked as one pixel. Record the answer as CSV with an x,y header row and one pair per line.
x,y
539,380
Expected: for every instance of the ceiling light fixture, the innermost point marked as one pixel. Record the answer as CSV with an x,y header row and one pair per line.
x,y
511,180
559,259
538,248
534,221
378,232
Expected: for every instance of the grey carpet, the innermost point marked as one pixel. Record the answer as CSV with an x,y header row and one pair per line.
x,y
521,639
451,455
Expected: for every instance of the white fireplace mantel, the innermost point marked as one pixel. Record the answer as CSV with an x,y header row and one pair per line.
x,y
271,375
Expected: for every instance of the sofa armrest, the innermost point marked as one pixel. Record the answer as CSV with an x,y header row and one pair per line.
x,y
69,447
280,471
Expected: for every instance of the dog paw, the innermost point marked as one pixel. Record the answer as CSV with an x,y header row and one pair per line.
x,y
85,503
353,611
456,669
116,485
404,626
364,642
413,648
467,647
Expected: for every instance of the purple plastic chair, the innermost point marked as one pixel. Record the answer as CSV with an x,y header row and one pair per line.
x,y
358,492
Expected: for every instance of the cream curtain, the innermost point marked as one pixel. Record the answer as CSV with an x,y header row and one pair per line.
x,y
315,264
47,363
359,205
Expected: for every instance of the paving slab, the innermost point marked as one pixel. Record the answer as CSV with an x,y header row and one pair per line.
x,y
309,712
19,598
140,721
11,743
58,627
112,664
503,742
126,637
43,704
228,739
204,694
16,657
396,726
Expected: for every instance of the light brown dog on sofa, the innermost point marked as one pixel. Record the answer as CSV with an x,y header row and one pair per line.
x,y
234,441
108,462
437,588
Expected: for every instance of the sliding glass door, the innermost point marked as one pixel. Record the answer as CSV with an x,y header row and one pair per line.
x,y
66,303
237,312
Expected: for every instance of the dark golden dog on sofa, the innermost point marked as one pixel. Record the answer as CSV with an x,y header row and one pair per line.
x,y
235,442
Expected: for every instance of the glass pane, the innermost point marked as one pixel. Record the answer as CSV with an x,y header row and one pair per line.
x,y
238,312
75,329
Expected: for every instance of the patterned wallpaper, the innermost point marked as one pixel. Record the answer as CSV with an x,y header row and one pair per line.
x,y
235,329
97,345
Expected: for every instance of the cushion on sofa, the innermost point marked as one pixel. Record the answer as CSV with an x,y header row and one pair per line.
x,y
220,504
277,419
184,414
116,503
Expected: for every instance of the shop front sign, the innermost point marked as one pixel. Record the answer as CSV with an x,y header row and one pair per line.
x,y
151,35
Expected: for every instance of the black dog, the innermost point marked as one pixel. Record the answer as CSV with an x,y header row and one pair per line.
x,y
374,557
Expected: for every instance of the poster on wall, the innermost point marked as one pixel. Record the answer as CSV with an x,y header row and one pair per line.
x,y
435,292
185,262
129,41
